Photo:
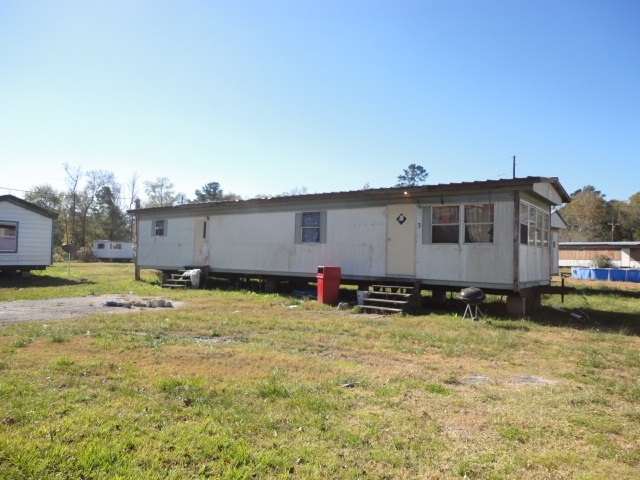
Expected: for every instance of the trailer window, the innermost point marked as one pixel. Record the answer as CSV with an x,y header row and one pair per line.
x,y
478,223
100,246
8,237
445,224
311,227
159,228
116,246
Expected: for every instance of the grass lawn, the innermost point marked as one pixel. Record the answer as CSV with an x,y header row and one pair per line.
x,y
243,385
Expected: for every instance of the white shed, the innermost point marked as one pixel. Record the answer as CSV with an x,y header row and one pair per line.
x,y
494,235
26,235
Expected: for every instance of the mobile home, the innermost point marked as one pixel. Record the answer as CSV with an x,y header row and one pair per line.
x,y
26,235
113,251
586,254
494,235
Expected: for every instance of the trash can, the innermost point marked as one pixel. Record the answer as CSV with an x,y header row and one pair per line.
x,y
328,284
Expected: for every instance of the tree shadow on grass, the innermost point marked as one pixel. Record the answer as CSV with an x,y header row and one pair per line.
x,y
589,319
606,290
494,310
39,281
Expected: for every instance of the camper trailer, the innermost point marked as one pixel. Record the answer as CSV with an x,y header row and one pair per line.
x,y
494,235
113,251
26,235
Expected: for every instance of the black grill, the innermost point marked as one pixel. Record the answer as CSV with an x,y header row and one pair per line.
x,y
473,297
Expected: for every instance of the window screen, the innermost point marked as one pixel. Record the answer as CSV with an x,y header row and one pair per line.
x,y
8,237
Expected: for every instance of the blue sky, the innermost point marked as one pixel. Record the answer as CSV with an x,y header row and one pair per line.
x,y
269,96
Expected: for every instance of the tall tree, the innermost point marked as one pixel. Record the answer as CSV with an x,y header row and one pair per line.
x,y
586,217
411,176
45,196
624,219
633,215
211,192
109,220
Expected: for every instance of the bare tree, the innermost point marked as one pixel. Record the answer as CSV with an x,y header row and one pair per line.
x,y
74,174
132,190
160,193
96,181
133,195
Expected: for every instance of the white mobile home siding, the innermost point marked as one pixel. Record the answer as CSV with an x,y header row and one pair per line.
x,y
477,264
35,237
266,242
356,242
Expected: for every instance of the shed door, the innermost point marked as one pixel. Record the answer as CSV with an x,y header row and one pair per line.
x,y
200,242
401,240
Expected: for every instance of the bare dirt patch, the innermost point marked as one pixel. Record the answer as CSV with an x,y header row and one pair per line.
x,y
63,308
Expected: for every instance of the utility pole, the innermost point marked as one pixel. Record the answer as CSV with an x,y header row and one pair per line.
x,y
136,233
613,226
514,166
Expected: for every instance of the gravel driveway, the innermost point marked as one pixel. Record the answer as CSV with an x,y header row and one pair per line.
x,y
62,308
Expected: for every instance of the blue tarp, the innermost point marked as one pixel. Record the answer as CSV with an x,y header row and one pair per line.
x,y
611,274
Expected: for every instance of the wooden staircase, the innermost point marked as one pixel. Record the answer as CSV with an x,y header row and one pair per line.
x,y
391,299
176,280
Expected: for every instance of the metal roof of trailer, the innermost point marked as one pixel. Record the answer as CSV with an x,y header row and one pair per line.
x,y
29,206
380,193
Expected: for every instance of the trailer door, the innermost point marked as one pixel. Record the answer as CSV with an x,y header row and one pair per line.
x,y
401,240
200,242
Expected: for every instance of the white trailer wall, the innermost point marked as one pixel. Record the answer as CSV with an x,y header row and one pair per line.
x,y
265,242
34,237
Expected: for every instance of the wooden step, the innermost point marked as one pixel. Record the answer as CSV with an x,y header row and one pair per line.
x,y
391,298
388,301
373,293
176,281
394,288
374,308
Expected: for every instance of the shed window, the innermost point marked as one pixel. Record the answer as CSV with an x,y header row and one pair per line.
x,y
478,223
534,226
159,228
445,224
8,237
524,223
311,227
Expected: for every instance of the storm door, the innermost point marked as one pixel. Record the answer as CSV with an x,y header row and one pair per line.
x,y
401,240
201,242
